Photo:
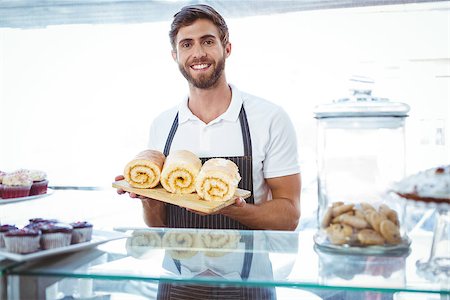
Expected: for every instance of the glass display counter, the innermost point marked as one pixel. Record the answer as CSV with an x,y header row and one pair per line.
x,y
4,266
222,264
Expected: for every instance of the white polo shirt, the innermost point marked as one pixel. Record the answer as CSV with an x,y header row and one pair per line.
x,y
274,141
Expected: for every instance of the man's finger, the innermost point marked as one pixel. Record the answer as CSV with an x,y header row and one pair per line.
x,y
240,202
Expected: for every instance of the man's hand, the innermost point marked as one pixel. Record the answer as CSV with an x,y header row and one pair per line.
x,y
118,178
154,210
132,195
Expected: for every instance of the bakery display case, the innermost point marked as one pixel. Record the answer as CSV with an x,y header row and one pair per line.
x,y
104,47
264,262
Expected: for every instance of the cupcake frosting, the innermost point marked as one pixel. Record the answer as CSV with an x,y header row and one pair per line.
x,y
7,227
81,224
37,175
42,220
56,227
430,183
2,174
23,232
17,179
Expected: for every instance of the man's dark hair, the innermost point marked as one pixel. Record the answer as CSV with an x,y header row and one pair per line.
x,y
191,13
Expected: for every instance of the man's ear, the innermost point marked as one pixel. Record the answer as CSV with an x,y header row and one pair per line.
x,y
174,55
228,49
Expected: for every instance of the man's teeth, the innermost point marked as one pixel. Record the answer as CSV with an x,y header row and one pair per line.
x,y
198,67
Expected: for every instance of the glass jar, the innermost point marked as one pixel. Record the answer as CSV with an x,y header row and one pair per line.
x,y
360,149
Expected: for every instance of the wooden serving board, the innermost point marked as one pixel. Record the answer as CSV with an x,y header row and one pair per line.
x,y
191,201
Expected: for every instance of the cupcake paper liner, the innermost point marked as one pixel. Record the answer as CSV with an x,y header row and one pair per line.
x,y
22,244
55,240
13,191
81,235
39,188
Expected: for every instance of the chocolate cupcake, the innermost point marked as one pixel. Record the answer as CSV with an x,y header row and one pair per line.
x,y
40,182
4,229
82,232
55,235
22,240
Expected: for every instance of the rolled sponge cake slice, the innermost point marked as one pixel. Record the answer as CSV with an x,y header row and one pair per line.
x,y
218,180
180,171
144,171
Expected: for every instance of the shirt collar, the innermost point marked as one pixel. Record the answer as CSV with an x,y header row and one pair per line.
x,y
184,113
231,114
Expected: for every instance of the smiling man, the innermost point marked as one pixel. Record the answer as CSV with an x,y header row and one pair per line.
x,y
216,119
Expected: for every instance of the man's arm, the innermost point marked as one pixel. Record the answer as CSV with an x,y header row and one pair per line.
x,y
154,212
280,213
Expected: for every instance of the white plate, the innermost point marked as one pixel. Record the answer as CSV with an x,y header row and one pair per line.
x,y
321,240
13,200
98,237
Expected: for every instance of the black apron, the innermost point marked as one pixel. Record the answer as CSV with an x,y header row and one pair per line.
x,y
178,217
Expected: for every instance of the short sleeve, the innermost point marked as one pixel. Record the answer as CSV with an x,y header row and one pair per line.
x,y
281,157
160,128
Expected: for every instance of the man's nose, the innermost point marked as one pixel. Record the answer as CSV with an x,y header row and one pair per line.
x,y
199,51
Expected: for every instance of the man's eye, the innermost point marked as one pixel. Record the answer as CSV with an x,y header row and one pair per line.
x,y
185,45
209,42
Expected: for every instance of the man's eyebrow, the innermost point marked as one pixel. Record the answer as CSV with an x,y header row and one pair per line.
x,y
206,36
184,40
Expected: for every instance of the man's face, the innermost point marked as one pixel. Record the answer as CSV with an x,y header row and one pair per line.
x,y
200,54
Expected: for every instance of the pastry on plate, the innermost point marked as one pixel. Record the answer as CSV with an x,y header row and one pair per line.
x,y
431,185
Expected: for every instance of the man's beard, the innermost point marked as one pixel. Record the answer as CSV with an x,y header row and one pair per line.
x,y
204,81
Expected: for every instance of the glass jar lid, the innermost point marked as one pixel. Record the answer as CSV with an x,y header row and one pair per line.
x,y
361,103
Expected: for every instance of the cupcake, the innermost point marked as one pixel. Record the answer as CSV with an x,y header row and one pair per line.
x,y
4,229
37,223
16,185
55,235
22,240
40,182
82,232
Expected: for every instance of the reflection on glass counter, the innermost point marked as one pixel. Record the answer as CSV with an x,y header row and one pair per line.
x,y
218,264
226,254
361,268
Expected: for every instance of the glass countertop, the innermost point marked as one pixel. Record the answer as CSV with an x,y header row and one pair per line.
x,y
237,258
